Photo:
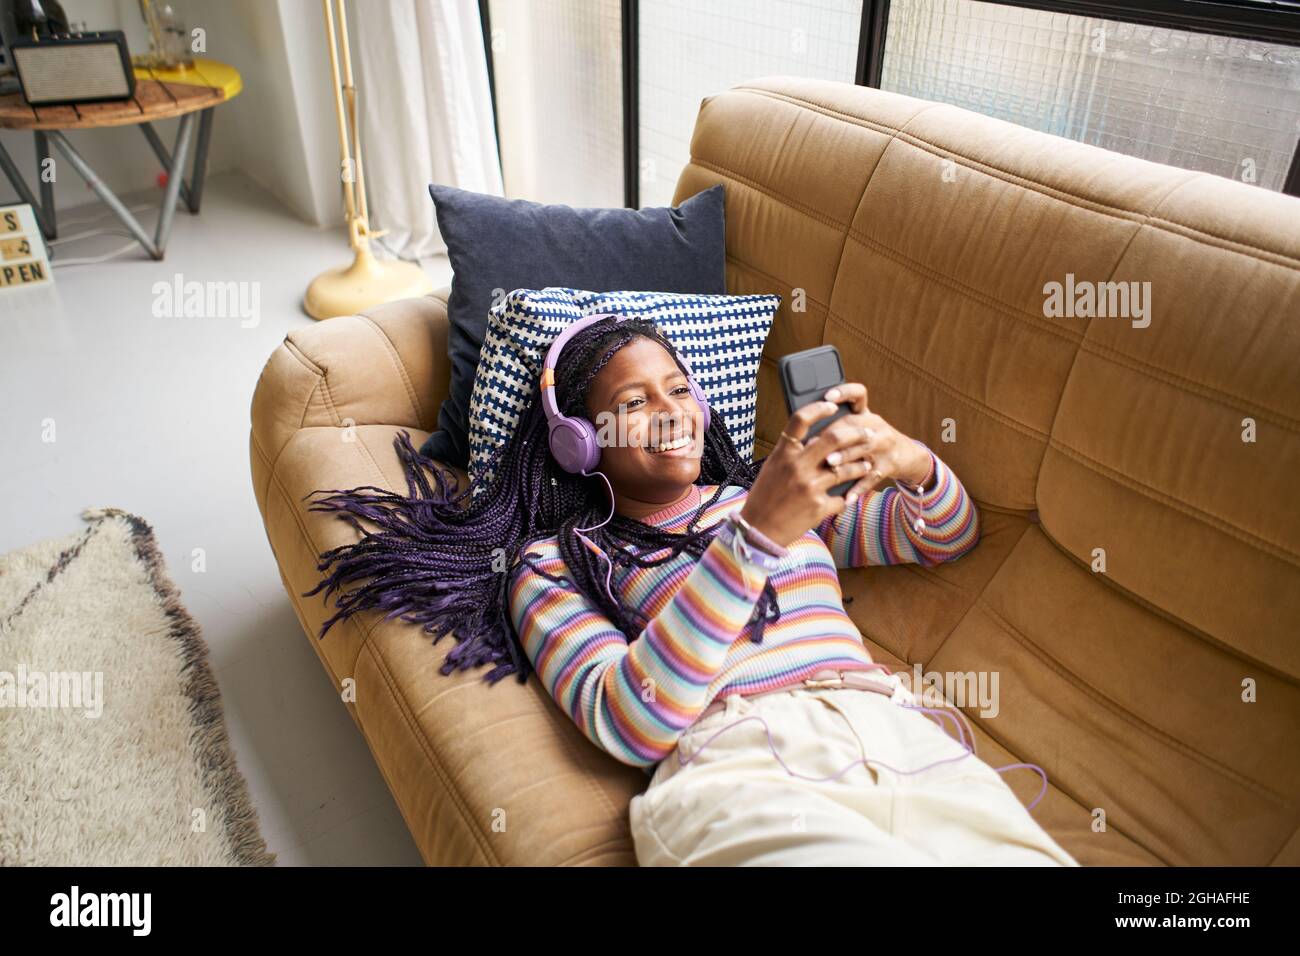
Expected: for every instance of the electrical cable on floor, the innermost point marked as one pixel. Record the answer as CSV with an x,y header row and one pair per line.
x,y
106,212
95,260
86,235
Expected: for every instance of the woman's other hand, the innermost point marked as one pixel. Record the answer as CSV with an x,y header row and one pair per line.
x,y
890,454
790,495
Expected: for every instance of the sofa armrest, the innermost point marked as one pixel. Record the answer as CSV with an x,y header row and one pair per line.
x,y
387,370
385,366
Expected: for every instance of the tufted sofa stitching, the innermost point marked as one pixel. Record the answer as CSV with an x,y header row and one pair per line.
x,y
292,348
1227,245
1216,521
1108,581
1209,238
1033,321
303,531
1067,794
595,851
301,356
568,736
297,513
402,372
1010,311
719,169
359,440
996,571
1123,713
987,727
930,576
812,299
844,242
943,152
1282,847
1028,319
1027,430
1168,376
1183,383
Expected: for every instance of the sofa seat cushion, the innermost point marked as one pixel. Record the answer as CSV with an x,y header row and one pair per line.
x,y
1069,822
910,610
1131,713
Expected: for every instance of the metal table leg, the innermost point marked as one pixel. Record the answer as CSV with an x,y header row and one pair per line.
x,y
47,185
158,245
200,172
191,192
164,157
44,217
175,174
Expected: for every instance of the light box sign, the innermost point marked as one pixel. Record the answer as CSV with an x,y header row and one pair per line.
x,y
23,260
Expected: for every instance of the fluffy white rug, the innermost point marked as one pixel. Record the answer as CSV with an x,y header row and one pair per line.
x,y
113,746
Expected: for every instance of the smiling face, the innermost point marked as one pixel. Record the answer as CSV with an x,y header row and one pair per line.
x,y
651,427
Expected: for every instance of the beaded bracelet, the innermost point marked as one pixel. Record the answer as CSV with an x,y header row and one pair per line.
x,y
918,519
746,552
756,537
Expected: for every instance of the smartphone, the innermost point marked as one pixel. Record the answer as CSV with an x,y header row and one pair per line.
x,y
806,376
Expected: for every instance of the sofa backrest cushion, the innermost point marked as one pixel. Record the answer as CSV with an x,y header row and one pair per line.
x,y
923,240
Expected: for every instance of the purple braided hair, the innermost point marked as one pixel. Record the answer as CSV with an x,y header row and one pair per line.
x,y
442,557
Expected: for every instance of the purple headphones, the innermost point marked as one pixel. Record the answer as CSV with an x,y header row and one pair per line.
x,y
573,440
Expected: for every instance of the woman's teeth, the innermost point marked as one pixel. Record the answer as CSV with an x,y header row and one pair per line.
x,y
669,446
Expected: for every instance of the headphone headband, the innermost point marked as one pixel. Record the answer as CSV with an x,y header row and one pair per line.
x,y
572,439
549,402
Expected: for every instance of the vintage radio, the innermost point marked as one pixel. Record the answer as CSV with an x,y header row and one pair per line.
x,y
74,68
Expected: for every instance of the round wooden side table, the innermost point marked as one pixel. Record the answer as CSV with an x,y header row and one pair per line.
x,y
159,94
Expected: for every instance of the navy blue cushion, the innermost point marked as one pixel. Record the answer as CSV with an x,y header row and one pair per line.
x,y
498,245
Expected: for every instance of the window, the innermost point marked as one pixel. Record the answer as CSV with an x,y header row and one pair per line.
x,y
1217,104
557,70
597,99
689,50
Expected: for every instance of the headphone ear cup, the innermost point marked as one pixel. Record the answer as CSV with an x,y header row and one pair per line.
x,y
573,444
701,398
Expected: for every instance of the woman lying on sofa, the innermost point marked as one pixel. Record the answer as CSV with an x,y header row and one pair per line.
x,y
682,607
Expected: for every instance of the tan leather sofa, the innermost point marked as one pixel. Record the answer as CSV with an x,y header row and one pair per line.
x,y
1159,694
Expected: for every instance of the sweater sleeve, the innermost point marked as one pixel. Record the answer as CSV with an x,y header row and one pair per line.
x,y
633,699
879,528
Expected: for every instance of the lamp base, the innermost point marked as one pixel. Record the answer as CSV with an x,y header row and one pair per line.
x,y
367,282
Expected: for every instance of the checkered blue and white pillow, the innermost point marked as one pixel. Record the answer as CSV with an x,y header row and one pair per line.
x,y
721,336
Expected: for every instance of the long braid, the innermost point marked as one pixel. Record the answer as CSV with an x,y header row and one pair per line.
x,y
440,556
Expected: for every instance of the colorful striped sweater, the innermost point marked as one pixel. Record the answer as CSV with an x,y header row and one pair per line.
x,y
634,698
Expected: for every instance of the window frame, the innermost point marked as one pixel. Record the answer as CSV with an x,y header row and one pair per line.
x,y
1273,21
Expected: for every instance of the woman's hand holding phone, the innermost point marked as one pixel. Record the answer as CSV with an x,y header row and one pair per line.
x,y
790,494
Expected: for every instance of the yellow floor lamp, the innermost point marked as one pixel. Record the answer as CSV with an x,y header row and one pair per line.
x,y
367,281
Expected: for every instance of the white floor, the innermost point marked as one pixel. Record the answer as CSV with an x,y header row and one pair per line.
x,y
151,415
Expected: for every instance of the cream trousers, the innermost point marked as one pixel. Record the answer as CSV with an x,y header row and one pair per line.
x,y
732,804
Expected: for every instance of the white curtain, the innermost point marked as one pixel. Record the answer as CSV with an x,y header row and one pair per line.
x,y
426,112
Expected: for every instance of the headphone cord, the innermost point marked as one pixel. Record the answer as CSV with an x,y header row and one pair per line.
x,y
591,544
